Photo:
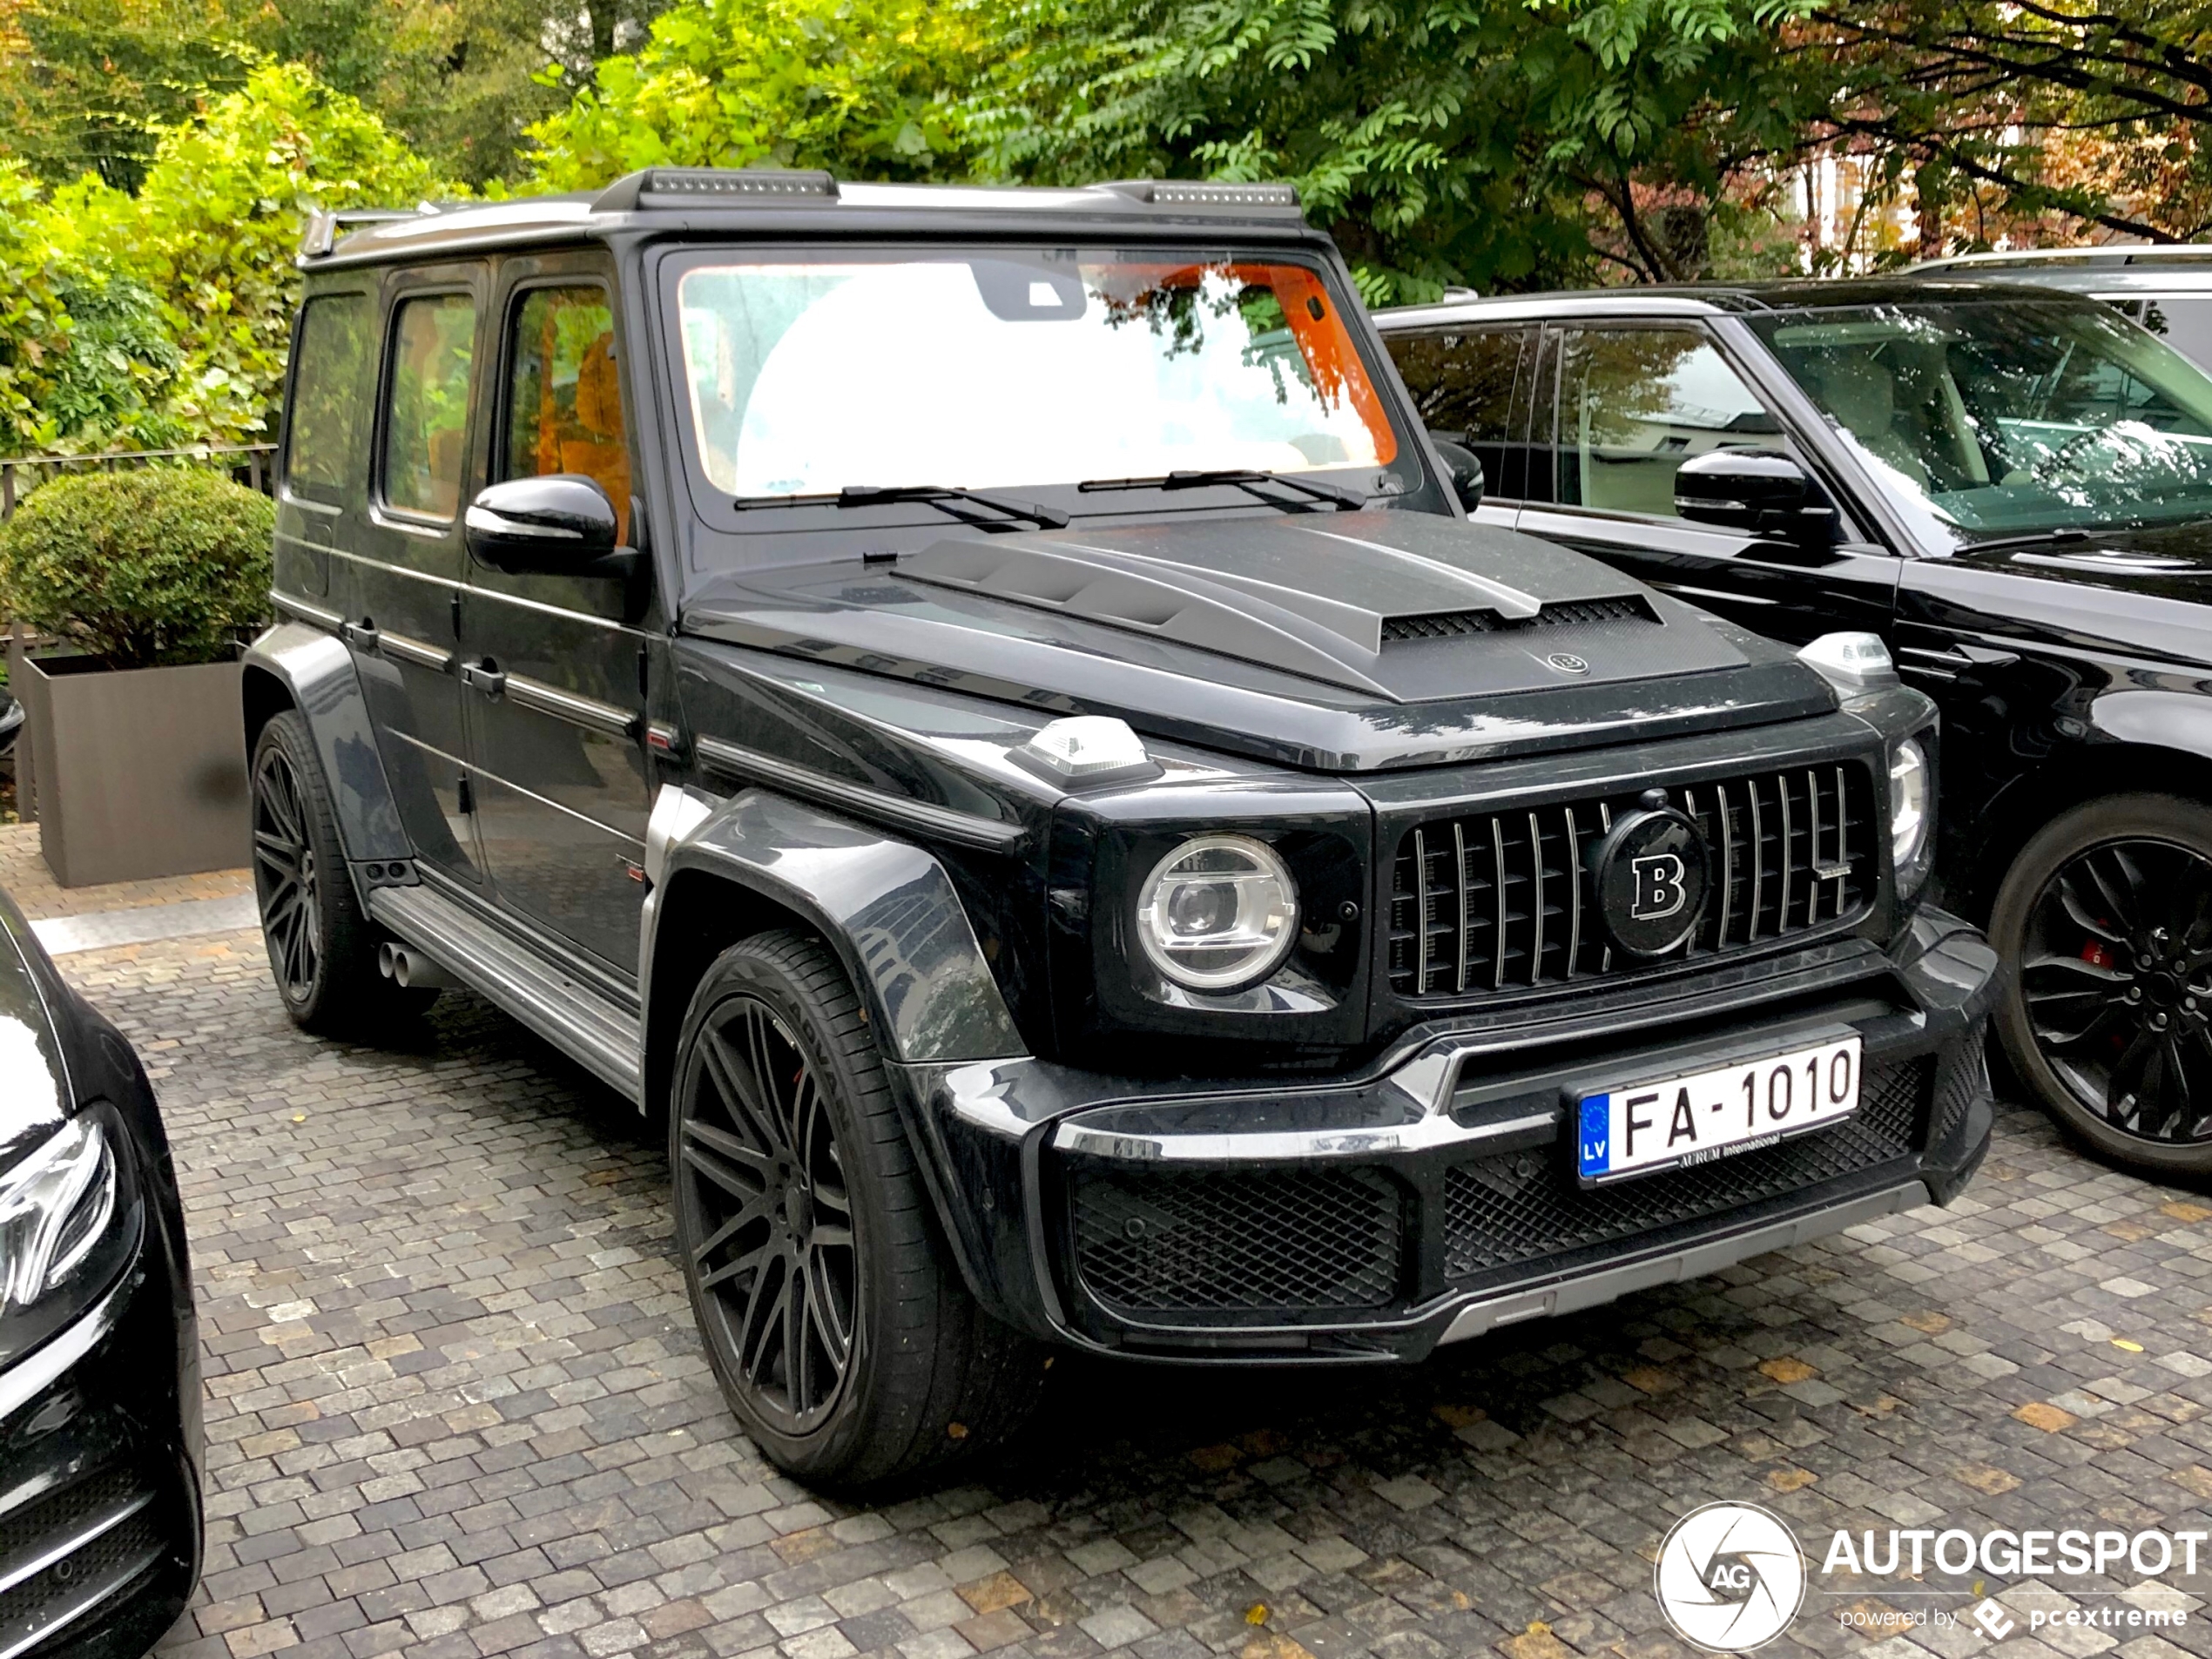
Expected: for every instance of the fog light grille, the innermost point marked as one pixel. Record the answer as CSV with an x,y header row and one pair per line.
x,y
1295,1240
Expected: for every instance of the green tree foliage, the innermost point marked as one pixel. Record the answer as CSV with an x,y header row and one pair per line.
x,y
1500,144
865,88
34,326
2101,114
164,318
87,85
160,565
215,226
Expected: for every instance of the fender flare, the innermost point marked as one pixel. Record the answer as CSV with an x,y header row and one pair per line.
x,y
886,907
2148,718
304,666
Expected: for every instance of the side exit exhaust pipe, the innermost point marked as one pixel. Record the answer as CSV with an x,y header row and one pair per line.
x,y
406,966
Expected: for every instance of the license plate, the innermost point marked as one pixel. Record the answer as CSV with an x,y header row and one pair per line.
x,y
1666,1124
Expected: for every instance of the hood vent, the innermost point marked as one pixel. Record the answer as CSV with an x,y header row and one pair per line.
x,y
1566,613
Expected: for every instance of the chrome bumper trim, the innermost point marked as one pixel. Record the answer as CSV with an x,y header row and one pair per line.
x,y
1422,1135
1605,1284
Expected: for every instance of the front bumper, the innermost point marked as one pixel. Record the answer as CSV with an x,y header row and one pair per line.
x,y
100,1521
1429,1197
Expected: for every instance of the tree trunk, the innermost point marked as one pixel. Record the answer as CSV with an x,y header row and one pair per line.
x,y
1930,185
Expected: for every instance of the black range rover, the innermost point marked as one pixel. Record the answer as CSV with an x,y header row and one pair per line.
x,y
982,708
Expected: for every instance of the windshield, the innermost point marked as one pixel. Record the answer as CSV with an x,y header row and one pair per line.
x,y
2010,417
1018,369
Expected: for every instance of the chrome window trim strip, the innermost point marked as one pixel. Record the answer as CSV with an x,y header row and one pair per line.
x,y
326,620
573,707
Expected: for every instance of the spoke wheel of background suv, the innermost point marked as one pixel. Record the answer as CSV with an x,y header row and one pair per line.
x,y
839,1329
2108,915
322,949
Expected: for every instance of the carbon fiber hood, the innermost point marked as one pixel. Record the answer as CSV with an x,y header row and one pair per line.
x,y
1424,627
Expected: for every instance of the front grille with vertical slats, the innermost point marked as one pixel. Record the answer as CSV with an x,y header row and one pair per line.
x,y
1504,900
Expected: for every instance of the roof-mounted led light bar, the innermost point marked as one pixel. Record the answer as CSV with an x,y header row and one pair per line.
x,y
696,185
1177,193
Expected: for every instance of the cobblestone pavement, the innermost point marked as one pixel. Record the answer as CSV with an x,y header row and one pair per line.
x,y
24,877
456,1406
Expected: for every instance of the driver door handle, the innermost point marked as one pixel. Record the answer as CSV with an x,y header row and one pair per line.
x,y
486,677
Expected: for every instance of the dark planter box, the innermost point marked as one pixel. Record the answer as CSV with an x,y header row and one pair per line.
x,y
139,773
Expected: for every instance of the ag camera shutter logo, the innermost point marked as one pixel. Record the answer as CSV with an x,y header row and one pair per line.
x,y
1730,1577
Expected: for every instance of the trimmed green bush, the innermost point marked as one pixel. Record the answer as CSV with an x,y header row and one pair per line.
x,y
159,565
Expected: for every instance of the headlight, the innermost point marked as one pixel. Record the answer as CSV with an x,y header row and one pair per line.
x,y
1219,912
56,1207
1912,815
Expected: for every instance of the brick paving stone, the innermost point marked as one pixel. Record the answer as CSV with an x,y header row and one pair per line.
x,y
456,1405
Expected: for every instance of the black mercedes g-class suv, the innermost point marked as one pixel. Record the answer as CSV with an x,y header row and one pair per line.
x,y
982,707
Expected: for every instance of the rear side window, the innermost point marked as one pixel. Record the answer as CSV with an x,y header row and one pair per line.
x,y
1463,382
426,429
563,397
330,395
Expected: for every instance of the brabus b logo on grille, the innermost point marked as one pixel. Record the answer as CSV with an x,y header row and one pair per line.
x,y
1658,892
1650,871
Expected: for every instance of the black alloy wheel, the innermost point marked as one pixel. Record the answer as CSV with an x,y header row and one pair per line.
x,y
322,949
2108,915
836,1321
285,876
761,1173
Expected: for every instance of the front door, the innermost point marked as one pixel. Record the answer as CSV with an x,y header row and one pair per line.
x,y
1619,408
556,665
1471,387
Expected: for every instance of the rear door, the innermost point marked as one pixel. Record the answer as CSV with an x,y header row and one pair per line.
x,y
556,665
395,575
1618,408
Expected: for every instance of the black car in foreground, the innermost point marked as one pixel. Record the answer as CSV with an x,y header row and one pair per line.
x,y
100,1354
2013,487
979,706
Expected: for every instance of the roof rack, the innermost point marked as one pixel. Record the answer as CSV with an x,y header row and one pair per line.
x,y
691,187
2102,253
1206,192
324,224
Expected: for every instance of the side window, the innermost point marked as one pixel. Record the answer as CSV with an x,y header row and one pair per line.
x,y
1635,404
1463,383
330,395
564,396
426,413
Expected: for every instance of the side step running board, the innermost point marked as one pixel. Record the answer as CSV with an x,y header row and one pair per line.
x,y
569,1013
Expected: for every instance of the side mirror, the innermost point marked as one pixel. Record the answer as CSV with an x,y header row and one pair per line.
x,y
1761,492
1462,466
560,524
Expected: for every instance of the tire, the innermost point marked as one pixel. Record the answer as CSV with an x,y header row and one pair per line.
x,y
882,1369
2104,922
322,948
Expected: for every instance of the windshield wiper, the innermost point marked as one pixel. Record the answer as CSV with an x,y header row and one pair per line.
x,y
1253,479
946,496
2052,538
943,496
